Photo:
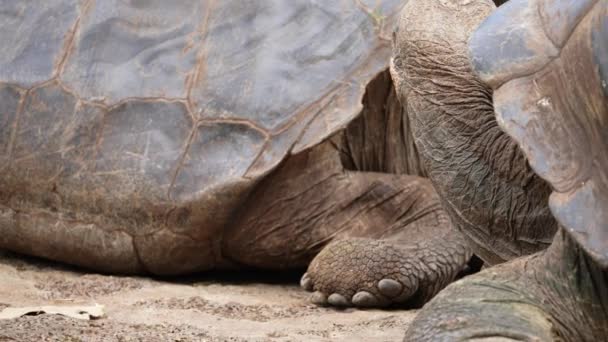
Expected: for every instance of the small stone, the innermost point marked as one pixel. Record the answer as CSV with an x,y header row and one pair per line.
x,y
336,299
306,282
319,298
365,299
390,288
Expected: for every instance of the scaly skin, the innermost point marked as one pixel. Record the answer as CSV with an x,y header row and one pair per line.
x,y
364,272
556,295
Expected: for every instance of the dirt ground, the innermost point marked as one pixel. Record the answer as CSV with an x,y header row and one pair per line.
x,y
227,307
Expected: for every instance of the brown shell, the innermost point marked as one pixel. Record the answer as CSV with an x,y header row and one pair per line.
x,y
155,118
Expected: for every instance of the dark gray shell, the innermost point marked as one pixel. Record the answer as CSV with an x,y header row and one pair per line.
x,y
154,118
548,63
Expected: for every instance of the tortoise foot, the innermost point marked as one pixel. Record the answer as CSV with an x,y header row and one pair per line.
x,y
380,273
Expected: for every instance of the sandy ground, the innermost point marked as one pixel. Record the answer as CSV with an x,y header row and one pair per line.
x,y
227,307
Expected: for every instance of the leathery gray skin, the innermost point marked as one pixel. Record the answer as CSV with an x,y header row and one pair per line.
x,y
542,65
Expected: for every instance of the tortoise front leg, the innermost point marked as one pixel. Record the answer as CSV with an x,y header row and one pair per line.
x,y
493,305
382,238
555,295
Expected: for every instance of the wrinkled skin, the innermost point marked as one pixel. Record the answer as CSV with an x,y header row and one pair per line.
x,y
171,138
544,79
483,178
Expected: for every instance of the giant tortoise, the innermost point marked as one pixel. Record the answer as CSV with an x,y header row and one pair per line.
x,y
178,137
537,69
